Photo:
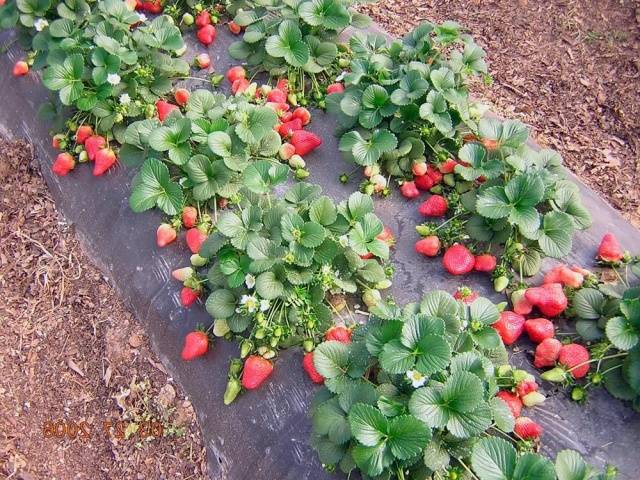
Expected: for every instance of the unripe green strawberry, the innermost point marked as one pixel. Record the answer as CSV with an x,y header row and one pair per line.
x,y
182,274
532,399
245,348
504,370
220,327
371,297
383,284
188,19
198,261
308,344
292,98
83,157
449,179
301,173
556,375
232,390
343,63
296,161
500,283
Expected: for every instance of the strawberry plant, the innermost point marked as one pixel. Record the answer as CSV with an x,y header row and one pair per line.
x,y
414,396
296,39
279,268
405,101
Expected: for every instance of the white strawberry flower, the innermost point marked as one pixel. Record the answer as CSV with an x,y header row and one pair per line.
x,y
344,241
250,303
142,17
125,99
340,77
113,79
264,305
417,379
249,281
40,24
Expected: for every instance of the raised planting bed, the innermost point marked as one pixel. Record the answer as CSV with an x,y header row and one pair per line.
x,y
265,434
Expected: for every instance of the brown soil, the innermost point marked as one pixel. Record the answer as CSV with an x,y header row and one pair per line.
x,y
72,353
568,68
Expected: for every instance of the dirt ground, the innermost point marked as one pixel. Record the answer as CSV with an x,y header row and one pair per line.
x,y
75,364
568,68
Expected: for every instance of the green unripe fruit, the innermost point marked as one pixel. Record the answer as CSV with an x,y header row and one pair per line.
x,y
149,111
260,333
273,342
187,19
383,284
277,331
301,173
235,367
78,148
344,178
245,348
449,179
578,394
216,79
292,98
500,283
369,189
322,104
198,261
371,297
308,344
118,117
296,161
220,327
344,62
317,95
437,189
504,370
556,375
83,157
232,390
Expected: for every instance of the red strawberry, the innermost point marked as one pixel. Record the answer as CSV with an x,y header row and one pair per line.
x,y
93,145
509,326
283,85
465,295
339,333
20,69
423,182
573,355
490,144
105,159
203,60
335,88
458,260
164,109
195,238
286,117
387,236
565,275
153,6
203,18
428,246
419,169
550,299
182,96
304,142
55,140
525,387
239,86
435,175
235,73
256,370
279,108
527,429
409,190
513,402
310,368
234,28
547,353
520,303
485,263
287,128
188,296
434,206
539,329
276,95
303,114
63,165
196,344
609,249
83,132
189,217
165,235
366,256
447,166
206,35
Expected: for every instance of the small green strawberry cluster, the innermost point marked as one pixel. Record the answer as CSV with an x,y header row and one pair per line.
x,y
414,393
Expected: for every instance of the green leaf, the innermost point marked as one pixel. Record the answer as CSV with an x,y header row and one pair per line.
x,y
368,425
588,303
433,354
396,358
288,44
312,234
330,420
621,333
555,236
441,304
502,415
220,144
484,311
359,205
255,123
372,460
331,359
493,459
534,467
66,78
323,211
571,466
230,225
493,203
268,286
407,436
221,304
329,14
262,176
152,187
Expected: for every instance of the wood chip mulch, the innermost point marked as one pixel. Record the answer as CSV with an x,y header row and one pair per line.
x,y
70,353
568,68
